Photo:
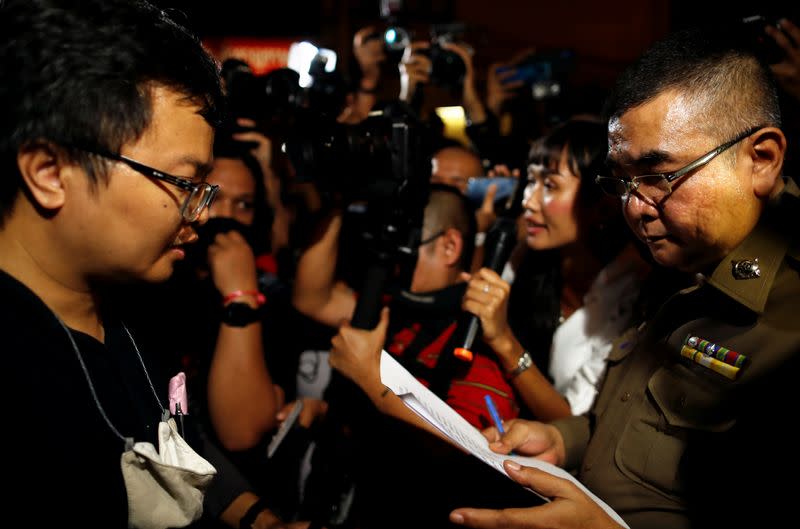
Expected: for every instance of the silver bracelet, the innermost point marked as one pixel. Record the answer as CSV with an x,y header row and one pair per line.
x,y
524,362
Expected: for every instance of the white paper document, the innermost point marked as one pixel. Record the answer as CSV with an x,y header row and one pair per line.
x,y
444,418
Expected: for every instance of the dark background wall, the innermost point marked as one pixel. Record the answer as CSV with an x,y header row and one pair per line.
x,y
606,36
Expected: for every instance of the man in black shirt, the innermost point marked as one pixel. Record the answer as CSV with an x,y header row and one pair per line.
x,y
109,109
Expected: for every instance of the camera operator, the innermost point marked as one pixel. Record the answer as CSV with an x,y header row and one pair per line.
x,y
416,69
483,124
422,324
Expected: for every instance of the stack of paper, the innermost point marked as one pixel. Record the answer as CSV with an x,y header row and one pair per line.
x,y
431,408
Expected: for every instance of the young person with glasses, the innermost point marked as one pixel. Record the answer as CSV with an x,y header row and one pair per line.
x,y
696,153
109,115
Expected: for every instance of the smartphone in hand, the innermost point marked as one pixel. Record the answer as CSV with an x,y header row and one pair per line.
x,y
477,187
284,428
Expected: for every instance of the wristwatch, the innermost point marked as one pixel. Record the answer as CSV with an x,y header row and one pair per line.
x,y
238,314
524,362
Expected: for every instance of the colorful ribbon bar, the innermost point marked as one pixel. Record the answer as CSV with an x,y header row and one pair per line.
x,y
699,357
724,354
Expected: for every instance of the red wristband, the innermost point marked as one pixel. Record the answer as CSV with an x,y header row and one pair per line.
x,y
260,298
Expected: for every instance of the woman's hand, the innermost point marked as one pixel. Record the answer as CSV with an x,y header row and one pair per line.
x,y
487,297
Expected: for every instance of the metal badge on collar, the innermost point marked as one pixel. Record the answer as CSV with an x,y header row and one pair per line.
x,y
746,269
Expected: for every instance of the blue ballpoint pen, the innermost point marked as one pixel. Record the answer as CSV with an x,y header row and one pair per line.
x,y
498,422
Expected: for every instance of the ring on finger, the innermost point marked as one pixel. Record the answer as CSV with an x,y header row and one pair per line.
x,y
486,288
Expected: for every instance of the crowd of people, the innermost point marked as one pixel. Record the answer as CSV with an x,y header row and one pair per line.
x,y
178,278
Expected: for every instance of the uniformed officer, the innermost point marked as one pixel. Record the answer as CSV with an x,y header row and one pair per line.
x,y
695,153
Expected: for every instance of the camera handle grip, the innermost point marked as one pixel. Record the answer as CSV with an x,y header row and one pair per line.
x,y
368,309
341,395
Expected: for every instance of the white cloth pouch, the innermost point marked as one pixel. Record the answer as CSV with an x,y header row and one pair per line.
x,y
165,488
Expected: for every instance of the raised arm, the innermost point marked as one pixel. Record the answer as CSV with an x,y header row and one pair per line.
x,y
356,354
317,293
242,400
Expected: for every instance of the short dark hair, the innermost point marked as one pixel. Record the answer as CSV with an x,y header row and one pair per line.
x,y
712,65
228,148
79,75
448,208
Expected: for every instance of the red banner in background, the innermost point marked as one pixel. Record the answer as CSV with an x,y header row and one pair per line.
x,y
263,55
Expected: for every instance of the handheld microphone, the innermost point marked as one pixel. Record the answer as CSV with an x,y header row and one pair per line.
x,y
500,242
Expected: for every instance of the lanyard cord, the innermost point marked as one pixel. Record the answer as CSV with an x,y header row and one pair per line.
x,y
144,368
128,440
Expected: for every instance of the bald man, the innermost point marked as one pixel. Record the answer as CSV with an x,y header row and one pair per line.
x,y
454,166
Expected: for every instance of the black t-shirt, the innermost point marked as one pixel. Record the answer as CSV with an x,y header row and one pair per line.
x,y
62,458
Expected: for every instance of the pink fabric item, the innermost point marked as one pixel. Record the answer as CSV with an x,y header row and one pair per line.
x,y
177,393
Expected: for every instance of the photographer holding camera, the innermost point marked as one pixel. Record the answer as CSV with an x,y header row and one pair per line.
x,y
369,55
449,64
443,63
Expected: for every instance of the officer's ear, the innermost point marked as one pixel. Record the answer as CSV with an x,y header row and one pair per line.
x,y
767,153
42,171
453,244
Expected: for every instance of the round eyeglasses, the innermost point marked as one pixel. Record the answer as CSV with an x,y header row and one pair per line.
x,y
657,187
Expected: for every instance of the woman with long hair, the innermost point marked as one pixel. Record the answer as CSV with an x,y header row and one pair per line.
x,y
578,283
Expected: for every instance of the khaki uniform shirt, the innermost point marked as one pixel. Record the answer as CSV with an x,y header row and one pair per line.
x,y
628,450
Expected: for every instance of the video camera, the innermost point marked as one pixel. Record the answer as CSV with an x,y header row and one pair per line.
x,y
278,100
381,162
447,68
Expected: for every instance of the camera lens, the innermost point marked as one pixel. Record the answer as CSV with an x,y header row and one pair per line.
x,y
396,38
447,68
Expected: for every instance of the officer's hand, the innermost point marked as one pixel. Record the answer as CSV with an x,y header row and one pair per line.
x,y
528,438
232,263
571,507
356,353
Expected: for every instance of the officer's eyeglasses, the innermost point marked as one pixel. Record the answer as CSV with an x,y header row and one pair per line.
x,y
200,194
657,187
